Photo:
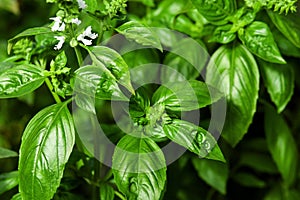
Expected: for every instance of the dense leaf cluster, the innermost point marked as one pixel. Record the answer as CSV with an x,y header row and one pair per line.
x,y
241,52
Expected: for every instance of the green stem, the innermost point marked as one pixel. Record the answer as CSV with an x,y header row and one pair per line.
x,y
99,39
55,96
120,195
78,55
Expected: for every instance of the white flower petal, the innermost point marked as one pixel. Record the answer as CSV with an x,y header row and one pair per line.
x,y
61,41
62,27
58,24
87,33
56,19
81,4
76,21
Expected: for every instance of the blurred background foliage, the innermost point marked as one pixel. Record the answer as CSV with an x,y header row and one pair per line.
x,y
250,174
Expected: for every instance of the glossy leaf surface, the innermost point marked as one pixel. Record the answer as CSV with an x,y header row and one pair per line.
x,y
8,181
140,33
194,138
93,81
216,11
288,25
279,80
139,168
186,96
113,64
258,38
281,144
107,192
182,64
47,143
223,35
20,80
233,70
6,153
213,173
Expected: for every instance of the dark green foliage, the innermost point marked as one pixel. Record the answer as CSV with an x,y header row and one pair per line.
x,y
149,99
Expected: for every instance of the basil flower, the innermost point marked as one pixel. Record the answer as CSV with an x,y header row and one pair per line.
x,y
87,34
58,24
81,4
61,41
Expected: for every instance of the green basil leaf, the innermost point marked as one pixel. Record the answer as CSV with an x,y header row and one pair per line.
x,y
281,144
143,58
156,133
258,38
182,64
6,153
223,35
194,138
248,180
185,25
260,162
140,57
107,192
8,181
115,66
46,145
60,61
93,5
17,197
288,25
20,80
167,10
10,5
186,96
216,12
279,80
27,33
93,81
286,46
139,168
214,173
140,33
233,70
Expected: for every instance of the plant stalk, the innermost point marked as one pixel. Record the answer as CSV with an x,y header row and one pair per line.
x,y
55,96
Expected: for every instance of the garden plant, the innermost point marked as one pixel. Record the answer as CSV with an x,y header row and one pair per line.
x,y
149,99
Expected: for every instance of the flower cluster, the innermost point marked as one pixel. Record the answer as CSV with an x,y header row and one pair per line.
x,y
59,25
277,5
115,6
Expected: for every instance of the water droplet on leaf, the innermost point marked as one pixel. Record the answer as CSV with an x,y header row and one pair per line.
x,y
200,137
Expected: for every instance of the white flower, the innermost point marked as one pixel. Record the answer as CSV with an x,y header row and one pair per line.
x,y
62,27
81,4
76,21
61,41
58,24
87,33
